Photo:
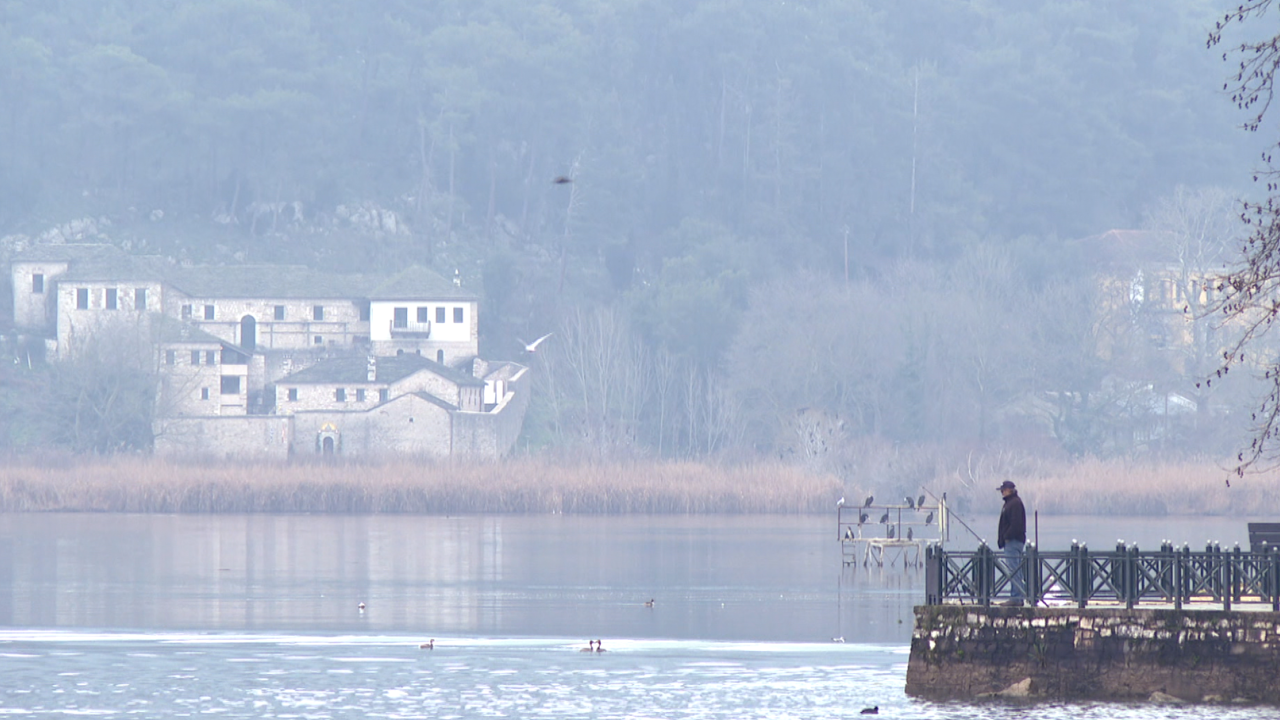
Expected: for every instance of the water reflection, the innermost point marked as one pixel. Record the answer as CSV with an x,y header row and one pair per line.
x,y
711,578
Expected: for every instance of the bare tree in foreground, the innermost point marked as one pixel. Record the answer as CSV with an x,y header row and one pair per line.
x,y
1252,288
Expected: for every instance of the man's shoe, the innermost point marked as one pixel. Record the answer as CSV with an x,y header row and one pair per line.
x,y
1011,603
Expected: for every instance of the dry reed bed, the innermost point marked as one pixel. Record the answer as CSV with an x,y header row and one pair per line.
x,y
1115,487
157,486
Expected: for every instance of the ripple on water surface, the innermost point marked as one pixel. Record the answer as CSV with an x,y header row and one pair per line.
x,y
262,675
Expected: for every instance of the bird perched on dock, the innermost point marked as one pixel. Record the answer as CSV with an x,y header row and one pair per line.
x,y
428,645
928,519
862,518
840,502
868,501
911,504
891,532
848,533
919,502
910,535
884,518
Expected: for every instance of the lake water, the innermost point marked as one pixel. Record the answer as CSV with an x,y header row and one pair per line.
x,y
258,616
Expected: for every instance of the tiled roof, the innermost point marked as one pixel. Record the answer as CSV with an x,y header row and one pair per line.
x,y
120,268
353,370
66,252
168,331
418,283
268,282
435,400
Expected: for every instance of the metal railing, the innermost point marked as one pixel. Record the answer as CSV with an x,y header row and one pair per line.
x,y
1127,576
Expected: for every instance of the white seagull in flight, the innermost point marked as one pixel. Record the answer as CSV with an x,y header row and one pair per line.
x,y
533,346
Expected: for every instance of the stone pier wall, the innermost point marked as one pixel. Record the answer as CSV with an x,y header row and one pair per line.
x,y
965,651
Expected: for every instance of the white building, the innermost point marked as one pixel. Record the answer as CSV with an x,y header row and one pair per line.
x,y
281,360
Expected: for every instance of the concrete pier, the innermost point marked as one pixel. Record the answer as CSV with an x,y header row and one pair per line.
x,y
1203,656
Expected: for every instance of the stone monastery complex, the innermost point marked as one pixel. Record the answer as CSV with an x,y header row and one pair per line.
x,y
277,361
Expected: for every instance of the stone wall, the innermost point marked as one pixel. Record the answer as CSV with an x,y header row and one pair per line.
x,y
960,652
260,436
494,433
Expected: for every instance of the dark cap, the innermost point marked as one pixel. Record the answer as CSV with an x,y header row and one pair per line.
x,y
1007,485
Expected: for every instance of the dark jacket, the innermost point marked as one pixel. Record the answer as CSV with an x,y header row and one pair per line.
x,y
1013,521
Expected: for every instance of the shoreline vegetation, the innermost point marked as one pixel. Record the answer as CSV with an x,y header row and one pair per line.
x,y
544,486
146,485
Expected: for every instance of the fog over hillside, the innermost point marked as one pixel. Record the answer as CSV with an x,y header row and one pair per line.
x,y
809,230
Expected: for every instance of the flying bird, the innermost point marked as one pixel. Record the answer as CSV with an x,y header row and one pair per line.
x,y
562,180
533,346
870,498
884,519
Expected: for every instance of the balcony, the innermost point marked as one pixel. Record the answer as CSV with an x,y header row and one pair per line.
x,y
410,329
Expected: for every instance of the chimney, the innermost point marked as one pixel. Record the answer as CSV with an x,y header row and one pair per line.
x,y
373,368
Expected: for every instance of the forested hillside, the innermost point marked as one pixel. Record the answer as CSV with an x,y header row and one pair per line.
x,y
790,225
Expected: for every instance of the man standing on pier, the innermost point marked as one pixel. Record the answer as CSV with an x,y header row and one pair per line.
x,y
1012,539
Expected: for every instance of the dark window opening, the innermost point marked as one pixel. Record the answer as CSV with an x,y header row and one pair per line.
x,y
293,394
82,298
170,357
204,393
364,312
208,312
439,314
37,283
457,315
360,395
401,318
139,298
210,357
279,312
113,299
248,333
383,393
440,356
319,340
186,312
340,394
195,357
424,314
317,312
230,384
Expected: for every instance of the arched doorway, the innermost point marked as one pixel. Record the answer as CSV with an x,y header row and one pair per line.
x,y
440,356
248,333
329,440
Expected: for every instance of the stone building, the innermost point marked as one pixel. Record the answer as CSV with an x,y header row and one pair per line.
x,y
282,360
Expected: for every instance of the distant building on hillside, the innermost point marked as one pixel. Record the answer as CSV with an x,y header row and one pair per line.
x,y
281,360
